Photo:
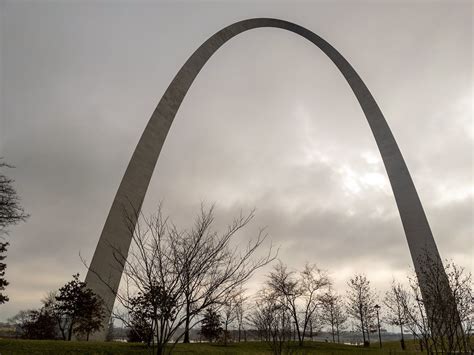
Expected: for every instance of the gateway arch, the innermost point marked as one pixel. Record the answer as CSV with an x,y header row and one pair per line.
x,y
104,271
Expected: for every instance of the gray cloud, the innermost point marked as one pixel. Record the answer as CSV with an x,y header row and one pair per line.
x,y
269,123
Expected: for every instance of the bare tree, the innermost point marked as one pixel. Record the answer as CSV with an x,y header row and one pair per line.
x,y
240,312
272,320
315,324
450,313
361,303
212,269
394,300
333,313
11,213
299,293
171,276
442,330
312,282
284,289
229,312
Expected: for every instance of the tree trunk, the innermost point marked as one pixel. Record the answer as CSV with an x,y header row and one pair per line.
x,y
61,328
225,334
186,325
363,329
160,349
402,342
300,338
303,334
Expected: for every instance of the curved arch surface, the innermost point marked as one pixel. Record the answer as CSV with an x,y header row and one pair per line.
x,y
105,272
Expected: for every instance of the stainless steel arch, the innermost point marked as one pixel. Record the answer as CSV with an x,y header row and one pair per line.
x,y
104,269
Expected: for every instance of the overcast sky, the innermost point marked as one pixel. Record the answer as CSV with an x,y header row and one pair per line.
x,y
269,123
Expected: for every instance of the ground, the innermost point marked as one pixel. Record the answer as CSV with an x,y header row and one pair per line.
x,y
58,347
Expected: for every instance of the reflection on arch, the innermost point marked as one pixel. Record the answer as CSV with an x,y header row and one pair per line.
x,y
135,182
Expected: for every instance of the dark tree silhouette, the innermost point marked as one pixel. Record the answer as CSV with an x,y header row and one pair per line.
x,y
149,305
76,309
3,266
11,213
91,317
211,327
38,324
10,210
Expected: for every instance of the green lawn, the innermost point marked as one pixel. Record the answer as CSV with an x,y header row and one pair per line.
x,y
17,346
